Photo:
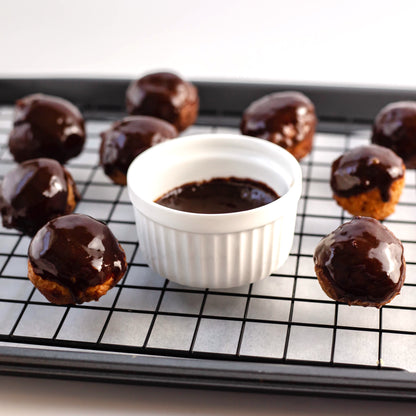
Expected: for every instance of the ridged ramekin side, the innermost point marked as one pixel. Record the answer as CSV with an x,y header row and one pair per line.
x,y
215,260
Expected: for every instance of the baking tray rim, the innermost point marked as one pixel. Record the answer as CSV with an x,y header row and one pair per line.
x,y
358,103
208,373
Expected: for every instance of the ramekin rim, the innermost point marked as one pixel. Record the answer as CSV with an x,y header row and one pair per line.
x,y
293,192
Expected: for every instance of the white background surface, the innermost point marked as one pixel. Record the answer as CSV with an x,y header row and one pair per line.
x,y
368,43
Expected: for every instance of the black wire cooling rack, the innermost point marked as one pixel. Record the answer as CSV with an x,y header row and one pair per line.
x,y
278,335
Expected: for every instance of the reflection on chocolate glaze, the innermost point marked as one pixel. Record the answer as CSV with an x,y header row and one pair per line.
x,y
362,260
166,96
129,137
395,128
284,118
218,196
35,192
77,252
364,168
46,126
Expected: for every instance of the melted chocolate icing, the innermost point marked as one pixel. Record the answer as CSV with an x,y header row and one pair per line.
x,y
129,137
161,95
46,126
364,168
395,128
218,196
77,252
284,118
33,193
362,260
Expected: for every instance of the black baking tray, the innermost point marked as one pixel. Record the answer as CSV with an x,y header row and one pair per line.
x,y
340,110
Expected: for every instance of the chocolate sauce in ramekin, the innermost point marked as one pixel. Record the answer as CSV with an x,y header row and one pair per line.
x,y
219,196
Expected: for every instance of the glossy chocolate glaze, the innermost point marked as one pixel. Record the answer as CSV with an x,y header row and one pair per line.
x,y
362,261
162,95
364,168
129,137
33,193
284,118
218,196
46,126
395,127
77,252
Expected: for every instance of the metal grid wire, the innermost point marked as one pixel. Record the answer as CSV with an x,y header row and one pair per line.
x,y
284,318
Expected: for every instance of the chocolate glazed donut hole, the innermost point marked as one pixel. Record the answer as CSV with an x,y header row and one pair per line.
x,y
285,118
164,95
46,126
74,259
360,263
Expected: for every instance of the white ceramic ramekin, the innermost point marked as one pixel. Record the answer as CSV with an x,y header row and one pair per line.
x,y
214,250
